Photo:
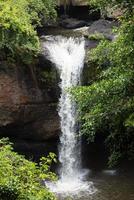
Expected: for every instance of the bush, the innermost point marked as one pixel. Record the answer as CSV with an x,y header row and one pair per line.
x,y
22,179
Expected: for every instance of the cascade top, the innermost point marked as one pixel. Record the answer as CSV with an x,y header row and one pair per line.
x,y
73,2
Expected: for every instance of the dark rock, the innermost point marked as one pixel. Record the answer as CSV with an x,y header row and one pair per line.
x,y
24,107
89,44
47,129
34,149
83,12
103,27
71,23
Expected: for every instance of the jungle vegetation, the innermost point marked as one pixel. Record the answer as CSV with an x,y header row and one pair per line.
x,y
21,178
106,105
19,20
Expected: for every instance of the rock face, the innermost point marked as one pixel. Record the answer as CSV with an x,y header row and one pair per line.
x,y
25,109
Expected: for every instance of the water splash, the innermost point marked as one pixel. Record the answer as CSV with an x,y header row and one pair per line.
x,y
68,56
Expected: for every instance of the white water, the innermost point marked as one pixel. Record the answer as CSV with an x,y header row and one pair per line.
x,y
68,56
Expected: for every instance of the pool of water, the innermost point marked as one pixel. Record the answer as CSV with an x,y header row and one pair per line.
x,y
108,185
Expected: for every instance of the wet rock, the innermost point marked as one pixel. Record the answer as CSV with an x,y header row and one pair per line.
x,y
24,104
71,23
48,129
103,27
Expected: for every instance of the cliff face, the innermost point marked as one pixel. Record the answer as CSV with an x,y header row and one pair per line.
x,y
26,111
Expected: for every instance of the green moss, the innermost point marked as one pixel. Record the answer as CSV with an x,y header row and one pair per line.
x,y
48,77
96,36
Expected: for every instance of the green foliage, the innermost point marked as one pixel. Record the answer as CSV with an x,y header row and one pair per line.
x,y
96,36
130,120
126,5
113,8
104,3
20,178
106,106
18,20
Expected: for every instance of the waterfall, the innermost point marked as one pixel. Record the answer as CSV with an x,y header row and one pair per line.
x,y
68,56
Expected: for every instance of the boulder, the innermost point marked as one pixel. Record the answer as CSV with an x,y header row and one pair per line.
x,y
103,27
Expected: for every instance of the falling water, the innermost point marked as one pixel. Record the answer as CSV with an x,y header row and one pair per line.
x,y
68,56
